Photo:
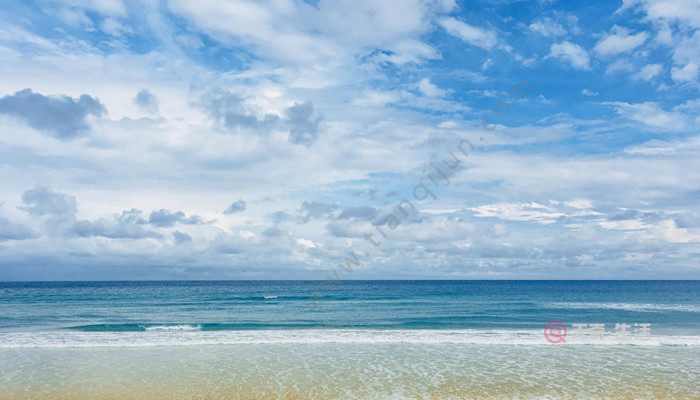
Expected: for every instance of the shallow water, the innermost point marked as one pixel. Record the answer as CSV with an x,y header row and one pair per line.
x,y
353,370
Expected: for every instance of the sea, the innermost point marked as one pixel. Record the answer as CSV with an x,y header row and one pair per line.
x,y
350,339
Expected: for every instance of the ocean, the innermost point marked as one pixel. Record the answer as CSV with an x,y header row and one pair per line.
x,y
356,339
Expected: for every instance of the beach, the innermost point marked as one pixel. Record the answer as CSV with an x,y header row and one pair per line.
x,y
351,371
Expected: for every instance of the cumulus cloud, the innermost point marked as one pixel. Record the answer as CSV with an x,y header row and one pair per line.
x,y
316,209
164,218
619,41
146,101
682,11
303,123
235,207
181,237
62,117
44,201
130,224
113,229
666,13
470,34
572,53
232,112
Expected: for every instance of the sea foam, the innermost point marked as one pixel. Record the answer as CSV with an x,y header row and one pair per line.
x,y
187,335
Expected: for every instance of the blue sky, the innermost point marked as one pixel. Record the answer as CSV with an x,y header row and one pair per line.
x,y
268,139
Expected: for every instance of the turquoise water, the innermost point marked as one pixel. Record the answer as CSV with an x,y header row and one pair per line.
x,y
671,307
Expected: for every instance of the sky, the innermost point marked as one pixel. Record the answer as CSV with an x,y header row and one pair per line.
x,y
349,139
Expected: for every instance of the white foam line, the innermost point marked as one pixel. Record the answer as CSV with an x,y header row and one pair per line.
x,y
317,336
174,328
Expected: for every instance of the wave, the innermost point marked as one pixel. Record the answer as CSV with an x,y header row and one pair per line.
x,y
151,327
190,337
641,307
173,328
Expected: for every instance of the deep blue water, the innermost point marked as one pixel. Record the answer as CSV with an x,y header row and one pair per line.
x,y
670,306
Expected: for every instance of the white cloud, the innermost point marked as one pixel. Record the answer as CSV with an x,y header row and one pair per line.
x,y
535,212
104,7
588,93
327,33
649,72
686,56
682,11
572,53
519,212
621,65
471,34
687,73
650,114
583,204
429,89
547,27
74,17
114,27
666,230
306,243
408,51
620,41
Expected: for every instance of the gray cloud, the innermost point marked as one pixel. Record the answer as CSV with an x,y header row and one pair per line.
x,y
128,225
133,216
303,124
228,244
279,216
62,117
13,231
273,232
235,207
360,212
344,230
687,220
315,209
229,110
164,218
181,237
113,230
43,201
146,101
